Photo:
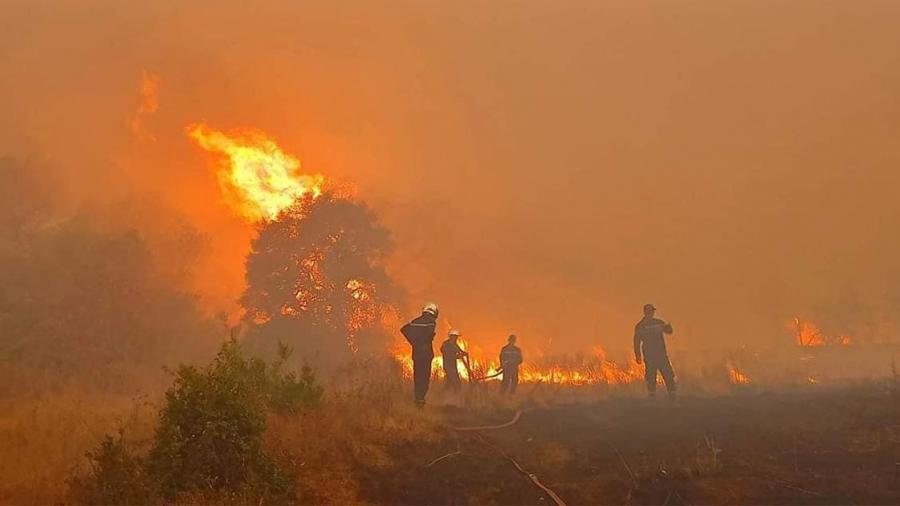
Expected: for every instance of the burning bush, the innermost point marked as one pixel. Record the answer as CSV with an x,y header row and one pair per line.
x,y
315,278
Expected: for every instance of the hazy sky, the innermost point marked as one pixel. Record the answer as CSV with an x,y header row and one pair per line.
x,y
545,167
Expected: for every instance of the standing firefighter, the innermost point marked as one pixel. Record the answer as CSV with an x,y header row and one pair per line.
x,y
450,353
649,341
420,334
510,360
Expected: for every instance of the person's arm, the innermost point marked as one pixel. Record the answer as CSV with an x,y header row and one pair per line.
x,y
667,328
519,358
637,345
407,331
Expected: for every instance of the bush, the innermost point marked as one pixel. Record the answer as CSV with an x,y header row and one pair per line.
x,y
209,442
288,392
210,437
115,477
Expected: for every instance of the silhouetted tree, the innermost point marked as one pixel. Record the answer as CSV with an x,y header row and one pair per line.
x,y
316,269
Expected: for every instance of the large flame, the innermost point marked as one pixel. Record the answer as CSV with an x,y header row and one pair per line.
x,y
592,371
259,180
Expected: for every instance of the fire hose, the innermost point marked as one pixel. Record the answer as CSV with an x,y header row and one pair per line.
x,y
531,476
471,375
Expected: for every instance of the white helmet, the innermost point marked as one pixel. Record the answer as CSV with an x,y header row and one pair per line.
x,y
454,332
432,308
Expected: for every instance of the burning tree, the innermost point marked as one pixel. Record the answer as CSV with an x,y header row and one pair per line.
x,y
315,274
315,277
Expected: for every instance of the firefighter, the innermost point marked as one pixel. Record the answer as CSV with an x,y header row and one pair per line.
x,y
650,345
420,334
510,360
450,353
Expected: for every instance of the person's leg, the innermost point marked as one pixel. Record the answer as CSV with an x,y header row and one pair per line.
x,y
650,377
417,379
426,377
504,382
421,376
668,374
452,382
513,380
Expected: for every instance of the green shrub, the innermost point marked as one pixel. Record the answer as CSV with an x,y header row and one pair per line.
x,y
115,477
210,435
288,392
208,445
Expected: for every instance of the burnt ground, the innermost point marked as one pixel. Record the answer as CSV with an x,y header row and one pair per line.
x,y
839,446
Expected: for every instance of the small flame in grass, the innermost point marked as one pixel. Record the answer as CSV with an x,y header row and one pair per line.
x,y
736,377
808,335
259,180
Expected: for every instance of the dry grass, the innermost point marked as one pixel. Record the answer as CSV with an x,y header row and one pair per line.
x,y
332,450
44,439
367,441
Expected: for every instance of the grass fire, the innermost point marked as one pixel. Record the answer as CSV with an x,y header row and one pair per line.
x,y
440,253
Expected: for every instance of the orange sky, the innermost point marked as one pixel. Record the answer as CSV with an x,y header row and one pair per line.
x,y
545,167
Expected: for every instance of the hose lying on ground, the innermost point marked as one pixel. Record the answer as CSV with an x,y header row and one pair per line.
x,y
534,479
491,427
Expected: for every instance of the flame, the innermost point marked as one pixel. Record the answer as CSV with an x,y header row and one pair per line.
x,y
363,310
258,179
736,377
809,335
596,370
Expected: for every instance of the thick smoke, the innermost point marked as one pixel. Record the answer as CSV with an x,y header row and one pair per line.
x,y
83,301
545,168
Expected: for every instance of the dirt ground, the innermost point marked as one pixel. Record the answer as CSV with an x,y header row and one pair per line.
x,y
810,446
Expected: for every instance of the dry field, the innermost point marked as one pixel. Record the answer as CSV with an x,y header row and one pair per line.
x,y
367,444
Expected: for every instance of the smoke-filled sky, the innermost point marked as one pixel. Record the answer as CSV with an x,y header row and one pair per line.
x,y
545,167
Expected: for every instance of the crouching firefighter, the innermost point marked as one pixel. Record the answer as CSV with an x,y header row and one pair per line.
x,y
450,353
510,360
420,334
650,342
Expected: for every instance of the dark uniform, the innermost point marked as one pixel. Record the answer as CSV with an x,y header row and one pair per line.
x,y
450,353
420,334
649,341
510,360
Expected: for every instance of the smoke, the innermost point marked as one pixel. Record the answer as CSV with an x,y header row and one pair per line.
x,y
85,301
149,90
544,168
